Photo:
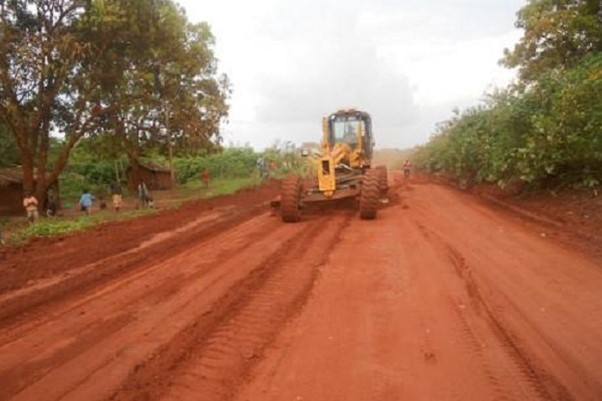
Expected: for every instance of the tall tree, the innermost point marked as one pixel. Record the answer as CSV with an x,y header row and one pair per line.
x,y
170,94
79,68
557,35
45,81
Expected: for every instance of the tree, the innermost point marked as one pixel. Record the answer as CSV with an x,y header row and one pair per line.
x,y
46,84
557,35
170,95
77,68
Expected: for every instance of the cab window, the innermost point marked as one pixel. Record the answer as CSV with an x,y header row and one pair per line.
x,y
346,129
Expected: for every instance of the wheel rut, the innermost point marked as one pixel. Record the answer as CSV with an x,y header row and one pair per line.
x,y
37,303
209,361
532,375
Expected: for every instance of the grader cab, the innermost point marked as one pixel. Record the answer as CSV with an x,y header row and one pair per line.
x,y
342,169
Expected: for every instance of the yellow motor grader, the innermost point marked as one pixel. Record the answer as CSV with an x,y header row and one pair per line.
x,y
342,168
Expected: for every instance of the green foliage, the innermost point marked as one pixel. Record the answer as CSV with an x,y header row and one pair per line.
x,y
220,186
71,186
550,133
167,92
557,35
546,129
136,70
236,163
57,226
92,165
92,176
50,227
8,148
230,163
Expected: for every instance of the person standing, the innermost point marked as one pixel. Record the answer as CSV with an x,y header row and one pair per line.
x,y
85,202
144,196
261,167
116,195
51,206
30,203
407,167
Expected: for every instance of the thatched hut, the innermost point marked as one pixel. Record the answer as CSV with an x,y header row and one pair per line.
x,y
154,175
11,191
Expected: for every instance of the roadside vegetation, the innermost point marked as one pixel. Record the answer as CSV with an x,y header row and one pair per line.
x,y
544,130
91,90
231,169
134,78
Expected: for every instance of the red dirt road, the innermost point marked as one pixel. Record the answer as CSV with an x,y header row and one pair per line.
x,y
440,298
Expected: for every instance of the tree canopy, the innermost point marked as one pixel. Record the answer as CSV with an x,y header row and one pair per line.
x,y
546,129
557,35
104,67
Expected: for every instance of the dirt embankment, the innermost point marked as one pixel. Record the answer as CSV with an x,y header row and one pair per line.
x,y
573,216
46,257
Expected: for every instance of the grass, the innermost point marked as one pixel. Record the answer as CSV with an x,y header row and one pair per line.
x,y
46,227
17,230
219,186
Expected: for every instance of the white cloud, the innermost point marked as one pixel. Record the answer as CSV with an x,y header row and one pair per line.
x,y
442,70
407,63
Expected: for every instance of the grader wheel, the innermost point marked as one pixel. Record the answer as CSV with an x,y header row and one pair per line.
x,y
369,195
290,199
383,183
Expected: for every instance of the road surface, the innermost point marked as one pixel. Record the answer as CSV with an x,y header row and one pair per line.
x,y
440,298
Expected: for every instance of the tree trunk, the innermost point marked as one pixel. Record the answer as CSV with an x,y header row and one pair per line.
x,y
117,171
135,176
28,180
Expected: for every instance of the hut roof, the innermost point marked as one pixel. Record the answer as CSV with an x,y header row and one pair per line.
x,y
11,175
14,175
153,166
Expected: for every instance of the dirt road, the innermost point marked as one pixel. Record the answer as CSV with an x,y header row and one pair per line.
x,y
440,298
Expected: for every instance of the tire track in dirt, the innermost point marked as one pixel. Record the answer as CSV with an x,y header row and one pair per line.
x,y
215,362
532,374
153,304
27,305
231,239
47,257
140,289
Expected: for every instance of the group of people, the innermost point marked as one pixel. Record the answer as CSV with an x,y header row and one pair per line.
x,y
264,167
86,200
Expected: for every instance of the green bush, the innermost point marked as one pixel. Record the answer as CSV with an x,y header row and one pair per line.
x,y
230,163
234,163
549,133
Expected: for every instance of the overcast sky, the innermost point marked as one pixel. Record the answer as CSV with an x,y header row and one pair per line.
x,y
408,63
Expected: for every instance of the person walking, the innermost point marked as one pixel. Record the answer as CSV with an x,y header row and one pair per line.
x,y
85,202
261,167
116,195
30,203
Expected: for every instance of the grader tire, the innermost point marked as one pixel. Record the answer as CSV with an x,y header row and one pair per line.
x,y
383,183
369,195
290,199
